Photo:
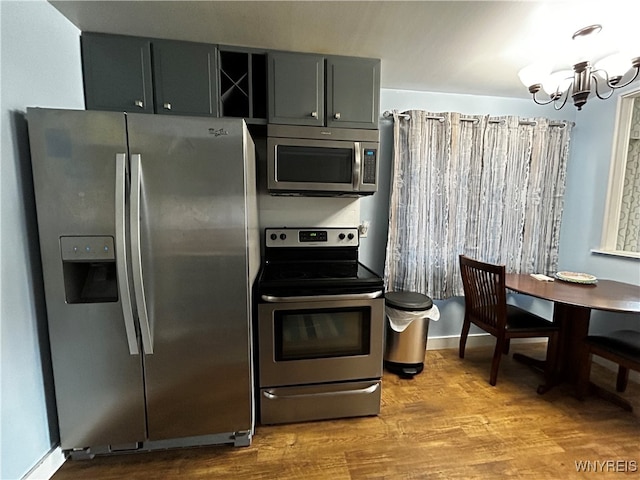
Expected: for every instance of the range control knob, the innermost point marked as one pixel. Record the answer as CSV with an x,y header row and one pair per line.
x,y
283,236
350,236
273,236
341,236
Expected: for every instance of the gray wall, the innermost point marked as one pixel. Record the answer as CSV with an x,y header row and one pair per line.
x,y
40,67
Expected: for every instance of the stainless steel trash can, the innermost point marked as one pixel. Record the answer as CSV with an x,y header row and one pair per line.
x,y
405,350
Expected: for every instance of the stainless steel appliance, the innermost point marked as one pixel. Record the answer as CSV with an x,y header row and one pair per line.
x,y
320,327
149,246
322,161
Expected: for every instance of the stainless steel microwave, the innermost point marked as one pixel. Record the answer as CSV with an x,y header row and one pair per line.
x,y
322,161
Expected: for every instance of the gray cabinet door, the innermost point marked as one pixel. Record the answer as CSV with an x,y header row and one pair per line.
x,y
117,73
296,88
353,92
185,78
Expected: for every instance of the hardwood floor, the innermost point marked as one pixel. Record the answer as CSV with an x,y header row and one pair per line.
x,y
446,423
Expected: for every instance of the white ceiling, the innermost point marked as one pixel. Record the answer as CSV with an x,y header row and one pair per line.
x,y
446,46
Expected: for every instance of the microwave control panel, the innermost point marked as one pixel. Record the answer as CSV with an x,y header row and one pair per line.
x,y
369,166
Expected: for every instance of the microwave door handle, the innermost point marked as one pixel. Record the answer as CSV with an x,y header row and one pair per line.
x,y
356,166
121,254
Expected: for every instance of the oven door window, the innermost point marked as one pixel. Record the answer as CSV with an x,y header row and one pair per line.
x,y
325,333
314,164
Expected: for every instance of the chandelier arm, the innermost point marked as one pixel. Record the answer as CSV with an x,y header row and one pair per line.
x,y
597,92
564,96
628,82
542,103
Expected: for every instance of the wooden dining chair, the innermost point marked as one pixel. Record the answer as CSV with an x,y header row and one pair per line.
x,y
485,300
621,347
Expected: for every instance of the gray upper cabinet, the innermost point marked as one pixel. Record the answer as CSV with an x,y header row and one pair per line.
x,y
298,94
169,77
296,88
353,92
117,73
185,78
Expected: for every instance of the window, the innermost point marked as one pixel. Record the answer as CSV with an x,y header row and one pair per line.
x,y
621,226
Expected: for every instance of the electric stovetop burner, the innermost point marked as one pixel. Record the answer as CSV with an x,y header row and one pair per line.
x,y
311,270
314,262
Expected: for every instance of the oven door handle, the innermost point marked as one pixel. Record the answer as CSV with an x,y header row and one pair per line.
x,y
323,298
369,389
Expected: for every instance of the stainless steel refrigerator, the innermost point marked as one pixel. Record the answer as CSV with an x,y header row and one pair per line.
x,y
149,245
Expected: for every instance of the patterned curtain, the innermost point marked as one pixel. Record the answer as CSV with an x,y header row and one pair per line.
x,y
629,223
491,188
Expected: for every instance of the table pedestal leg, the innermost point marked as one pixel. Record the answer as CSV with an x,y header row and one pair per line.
x,y
574,328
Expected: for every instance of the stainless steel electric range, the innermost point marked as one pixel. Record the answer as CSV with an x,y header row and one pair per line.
x,y
320,327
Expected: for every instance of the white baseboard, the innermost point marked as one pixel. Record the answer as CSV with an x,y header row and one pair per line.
x,y
49,465
473,340
486,340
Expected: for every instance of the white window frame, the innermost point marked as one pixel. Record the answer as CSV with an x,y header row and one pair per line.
x,y
616,177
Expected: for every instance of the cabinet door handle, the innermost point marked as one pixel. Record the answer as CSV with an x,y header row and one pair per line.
x,y
314,114
337,116
167,106
139,103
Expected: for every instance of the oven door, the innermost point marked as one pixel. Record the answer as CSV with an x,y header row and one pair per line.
x,y
309,342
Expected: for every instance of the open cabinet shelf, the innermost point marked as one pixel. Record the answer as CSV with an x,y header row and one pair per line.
x,y
243,89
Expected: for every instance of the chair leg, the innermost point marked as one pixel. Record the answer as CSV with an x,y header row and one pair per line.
x,y
495,363
623,379
466,325
507,344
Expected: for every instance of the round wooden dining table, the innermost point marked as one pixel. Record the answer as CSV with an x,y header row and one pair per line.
x,y
573,303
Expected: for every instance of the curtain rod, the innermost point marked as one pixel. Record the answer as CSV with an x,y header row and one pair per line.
x,y
389,114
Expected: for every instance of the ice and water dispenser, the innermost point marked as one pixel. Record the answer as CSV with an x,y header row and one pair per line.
x,y
89,268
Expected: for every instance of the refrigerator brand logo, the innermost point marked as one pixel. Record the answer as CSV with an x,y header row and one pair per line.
x,y
218,132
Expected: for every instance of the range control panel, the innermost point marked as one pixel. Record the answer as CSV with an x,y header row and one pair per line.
x,y
312,237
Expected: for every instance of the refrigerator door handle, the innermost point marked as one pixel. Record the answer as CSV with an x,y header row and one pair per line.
x,y
136,254
121,254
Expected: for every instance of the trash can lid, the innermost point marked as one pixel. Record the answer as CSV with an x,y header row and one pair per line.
x,y
408,301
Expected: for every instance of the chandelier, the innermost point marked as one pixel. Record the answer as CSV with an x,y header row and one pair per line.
x,y
601,78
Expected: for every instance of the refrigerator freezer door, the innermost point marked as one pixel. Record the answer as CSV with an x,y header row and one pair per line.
x,y
193,244
98,383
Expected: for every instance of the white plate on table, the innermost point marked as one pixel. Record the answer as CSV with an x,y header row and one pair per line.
x,y
577,277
